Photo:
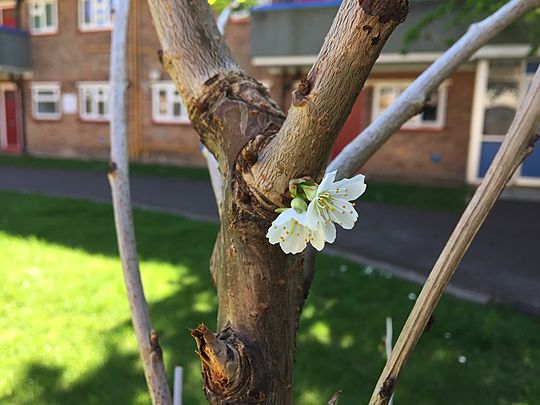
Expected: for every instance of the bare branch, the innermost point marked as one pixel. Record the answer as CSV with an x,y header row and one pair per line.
x,y
324,99
193,49
335,399
411,101
211,162
517,144
150,351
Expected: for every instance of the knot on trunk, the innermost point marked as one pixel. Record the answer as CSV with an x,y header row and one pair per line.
x,y
249,202
231,109
226,367
393,10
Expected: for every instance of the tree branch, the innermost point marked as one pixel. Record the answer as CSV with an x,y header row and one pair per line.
x,y
193,49
150,351
211,162
517,144
412,100
324,99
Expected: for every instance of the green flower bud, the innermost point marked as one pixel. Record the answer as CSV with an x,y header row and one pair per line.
x,y
299,205
309,190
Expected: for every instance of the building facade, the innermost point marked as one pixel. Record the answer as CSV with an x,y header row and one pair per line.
x,y
63,95
54,62
462,125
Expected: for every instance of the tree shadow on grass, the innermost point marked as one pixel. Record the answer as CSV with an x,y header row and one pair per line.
x,y
339,343
119,378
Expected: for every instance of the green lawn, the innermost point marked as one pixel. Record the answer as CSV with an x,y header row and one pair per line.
x,y
451,199
66,336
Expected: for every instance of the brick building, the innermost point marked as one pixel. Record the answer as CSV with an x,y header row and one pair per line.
x,y
463,124
54,59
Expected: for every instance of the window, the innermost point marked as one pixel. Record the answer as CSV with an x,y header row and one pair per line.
x,y
94,101
46,101
502,96
167,104
432,116
95,14
43,16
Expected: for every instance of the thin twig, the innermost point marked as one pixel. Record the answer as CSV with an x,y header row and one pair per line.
x,y
411,101
150,351
388,345
517,144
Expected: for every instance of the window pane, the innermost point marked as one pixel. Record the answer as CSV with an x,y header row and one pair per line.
x,y
88,102
502,96
429,113
37,21
501,103
532,67
45,93
87,11
177,109
46,107
101,108
386,98
48,15
162,103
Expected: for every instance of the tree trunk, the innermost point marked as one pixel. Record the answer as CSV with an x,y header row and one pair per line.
x,y
261,290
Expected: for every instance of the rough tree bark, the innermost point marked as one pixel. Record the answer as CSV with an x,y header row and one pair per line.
x,y
149,349
261,290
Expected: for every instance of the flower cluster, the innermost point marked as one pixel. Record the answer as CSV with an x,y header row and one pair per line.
x,y
314,211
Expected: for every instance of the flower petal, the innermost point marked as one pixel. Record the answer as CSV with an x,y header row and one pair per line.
x,y
349,189
343,213
317,238
296,242
285,216
273,234
314,219
327,182
329,231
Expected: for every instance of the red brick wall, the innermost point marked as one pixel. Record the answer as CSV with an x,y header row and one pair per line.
x,y
175,143
67,56
408,154
418,155
70,56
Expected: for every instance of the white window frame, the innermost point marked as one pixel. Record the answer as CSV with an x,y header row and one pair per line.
x,y
31,14
94,88
477,136
55,98
415,123
168,117
93,25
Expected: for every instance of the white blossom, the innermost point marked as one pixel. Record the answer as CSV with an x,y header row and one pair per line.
x,y
301,224
290,230
331,204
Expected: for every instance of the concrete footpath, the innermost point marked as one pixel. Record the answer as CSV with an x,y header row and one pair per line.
x,y
502,265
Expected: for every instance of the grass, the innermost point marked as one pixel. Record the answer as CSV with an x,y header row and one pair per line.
x,y
67,339
452,199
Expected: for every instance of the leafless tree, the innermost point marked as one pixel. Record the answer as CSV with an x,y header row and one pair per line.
x,y
259,149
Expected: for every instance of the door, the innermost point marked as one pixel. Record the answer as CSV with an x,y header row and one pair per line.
x,y
505,83
353,126
12,124
8,15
